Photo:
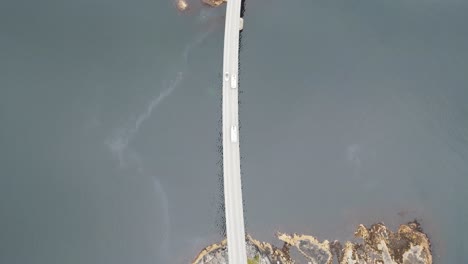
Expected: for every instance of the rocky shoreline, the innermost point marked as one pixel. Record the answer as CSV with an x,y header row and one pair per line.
x,y
377,244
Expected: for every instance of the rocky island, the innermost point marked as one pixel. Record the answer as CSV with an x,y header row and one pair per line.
x,y
376,244
183,5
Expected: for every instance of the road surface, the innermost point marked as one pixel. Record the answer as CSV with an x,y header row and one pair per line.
x,y
231,157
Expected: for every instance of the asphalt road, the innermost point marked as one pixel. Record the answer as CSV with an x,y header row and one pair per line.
x,y
231,157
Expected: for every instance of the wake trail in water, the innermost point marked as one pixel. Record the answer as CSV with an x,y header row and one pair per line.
x,y
164,248
119,141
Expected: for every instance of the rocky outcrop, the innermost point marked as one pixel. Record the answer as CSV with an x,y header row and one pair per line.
x,y
182,5
214,3
379,245
312,249
408,245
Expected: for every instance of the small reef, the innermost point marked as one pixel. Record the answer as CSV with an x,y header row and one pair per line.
x,y
214,3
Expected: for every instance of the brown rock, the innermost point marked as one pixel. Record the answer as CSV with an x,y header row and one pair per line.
x,y
214,3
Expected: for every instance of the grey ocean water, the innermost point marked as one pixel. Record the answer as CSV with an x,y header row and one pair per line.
x,y
352,112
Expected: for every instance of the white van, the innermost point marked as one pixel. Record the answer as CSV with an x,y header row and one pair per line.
x,y
234,134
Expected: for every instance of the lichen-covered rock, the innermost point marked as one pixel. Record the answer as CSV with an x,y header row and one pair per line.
x,y
379,245
312,249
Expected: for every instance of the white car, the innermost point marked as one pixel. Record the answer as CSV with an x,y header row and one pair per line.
x,y
234,81
234,134
226,76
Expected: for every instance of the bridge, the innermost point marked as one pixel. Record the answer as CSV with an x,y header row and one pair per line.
x,y
231,157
